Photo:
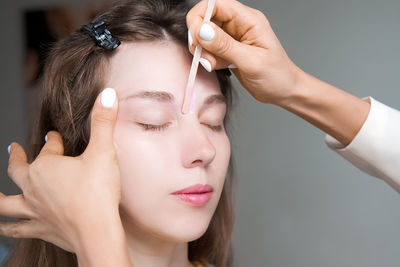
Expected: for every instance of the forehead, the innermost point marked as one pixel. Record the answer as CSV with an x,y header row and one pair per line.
x,y
157,66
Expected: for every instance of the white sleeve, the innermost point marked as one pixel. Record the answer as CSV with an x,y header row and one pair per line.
x,y
376,147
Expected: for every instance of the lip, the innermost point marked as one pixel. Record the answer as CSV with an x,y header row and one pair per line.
x,y
195,189
197,195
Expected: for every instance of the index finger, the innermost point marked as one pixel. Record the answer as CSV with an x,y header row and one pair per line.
x,y
54,144
18,165
235,18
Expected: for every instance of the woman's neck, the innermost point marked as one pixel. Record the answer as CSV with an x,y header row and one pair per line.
x,y
148,250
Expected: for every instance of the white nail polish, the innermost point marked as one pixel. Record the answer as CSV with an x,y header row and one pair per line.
x,y
207,32
206,64
190,39
108,97
8,149
45,138
232,66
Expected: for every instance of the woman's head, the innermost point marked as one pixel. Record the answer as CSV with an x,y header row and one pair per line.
x,y
160,151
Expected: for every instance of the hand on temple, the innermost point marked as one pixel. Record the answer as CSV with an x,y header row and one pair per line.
x,y
71,202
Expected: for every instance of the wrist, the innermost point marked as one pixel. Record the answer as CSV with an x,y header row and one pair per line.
x,y
103,243
330,109
295,89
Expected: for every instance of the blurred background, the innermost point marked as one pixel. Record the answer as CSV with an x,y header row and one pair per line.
x,y
297,203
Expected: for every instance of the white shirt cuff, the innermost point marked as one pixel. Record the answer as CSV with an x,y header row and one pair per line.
x,y
376,147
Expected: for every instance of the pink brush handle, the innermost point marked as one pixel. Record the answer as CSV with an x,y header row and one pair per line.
x,y
195,64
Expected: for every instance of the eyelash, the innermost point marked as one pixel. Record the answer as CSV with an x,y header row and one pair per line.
x,y
150,127
155,128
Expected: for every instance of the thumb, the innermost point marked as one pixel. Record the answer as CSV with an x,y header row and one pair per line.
x,y
216,41
103,118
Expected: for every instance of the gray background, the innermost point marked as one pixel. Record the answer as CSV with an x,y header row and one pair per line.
x,y
298,203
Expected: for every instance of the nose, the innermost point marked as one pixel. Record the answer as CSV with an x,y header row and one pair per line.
x,y
197,149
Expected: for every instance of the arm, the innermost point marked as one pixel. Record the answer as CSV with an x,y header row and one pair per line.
x,y
71,202
246,40
103,244
364,132
269,75
376,148
330,109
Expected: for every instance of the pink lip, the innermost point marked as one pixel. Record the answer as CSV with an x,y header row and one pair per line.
x,y
195,189
197,195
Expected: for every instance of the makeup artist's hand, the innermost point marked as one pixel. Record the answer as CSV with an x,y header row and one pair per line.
x,y
242,36
71,202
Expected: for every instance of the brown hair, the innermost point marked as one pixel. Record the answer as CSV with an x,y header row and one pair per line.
x,y
74,76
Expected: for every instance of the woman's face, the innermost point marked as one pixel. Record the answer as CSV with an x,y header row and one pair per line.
x,y
160,150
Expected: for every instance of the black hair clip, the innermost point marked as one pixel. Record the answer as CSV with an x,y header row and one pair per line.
x,y
102,35
227,72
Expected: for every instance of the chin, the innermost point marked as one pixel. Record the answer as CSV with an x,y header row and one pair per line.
x,y
190,230
182,226
188,236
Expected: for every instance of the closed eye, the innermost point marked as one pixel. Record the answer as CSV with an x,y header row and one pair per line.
x,y
215,128
152,127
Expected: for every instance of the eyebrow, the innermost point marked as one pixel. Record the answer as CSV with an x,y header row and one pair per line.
x,y
165,97
159,96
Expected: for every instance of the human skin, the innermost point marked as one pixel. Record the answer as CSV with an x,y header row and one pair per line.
x,y
263,68
247,40
151,227
56,203
190,149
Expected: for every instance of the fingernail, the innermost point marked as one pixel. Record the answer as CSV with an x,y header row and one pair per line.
x,y
207,32
108,97
232,66
45,138
206,64
190,39
8,149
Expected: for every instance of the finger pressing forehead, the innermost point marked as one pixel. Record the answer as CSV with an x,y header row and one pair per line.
x,y
102,121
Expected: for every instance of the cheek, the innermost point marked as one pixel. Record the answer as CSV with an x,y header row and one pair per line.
x,y
142,162
222,159
148,164
226,148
